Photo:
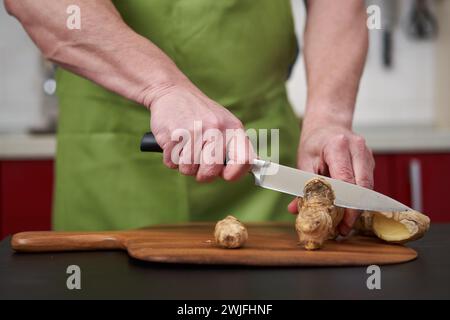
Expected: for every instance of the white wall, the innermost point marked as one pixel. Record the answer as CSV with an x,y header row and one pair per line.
x,y
443,67
20,77
403,95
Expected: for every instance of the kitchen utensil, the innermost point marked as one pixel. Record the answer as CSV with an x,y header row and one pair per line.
x,y
422,23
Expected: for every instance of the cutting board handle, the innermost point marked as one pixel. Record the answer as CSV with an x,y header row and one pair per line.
x,y
50,241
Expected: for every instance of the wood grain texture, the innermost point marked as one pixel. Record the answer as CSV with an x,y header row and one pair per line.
x,y
269,244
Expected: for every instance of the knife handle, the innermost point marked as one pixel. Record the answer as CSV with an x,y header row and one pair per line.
x,y
149,144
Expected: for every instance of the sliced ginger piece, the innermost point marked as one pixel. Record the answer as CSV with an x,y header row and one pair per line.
x,y
395,227
318,218
388,229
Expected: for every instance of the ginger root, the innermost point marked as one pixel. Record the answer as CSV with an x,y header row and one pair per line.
x,y
317,217
395,227
230,233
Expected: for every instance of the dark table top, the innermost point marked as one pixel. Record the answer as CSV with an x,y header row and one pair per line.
x,y
113,275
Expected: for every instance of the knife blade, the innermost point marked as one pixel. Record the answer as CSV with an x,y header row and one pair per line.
x,y
288,180
273,176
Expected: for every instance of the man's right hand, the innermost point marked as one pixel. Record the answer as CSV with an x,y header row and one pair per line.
x,y
178,107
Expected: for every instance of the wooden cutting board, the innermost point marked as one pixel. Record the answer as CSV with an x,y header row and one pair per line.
x,y
269,244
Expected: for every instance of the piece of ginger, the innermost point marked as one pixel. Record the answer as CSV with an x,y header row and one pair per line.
x,y
395,227
230,233
317,217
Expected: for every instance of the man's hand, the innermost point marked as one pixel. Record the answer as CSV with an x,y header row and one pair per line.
x,y
178,107
337,152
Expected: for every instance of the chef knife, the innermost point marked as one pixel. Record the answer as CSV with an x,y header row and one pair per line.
x,y
284,179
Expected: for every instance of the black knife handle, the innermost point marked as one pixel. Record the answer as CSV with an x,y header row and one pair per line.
x,y
149,144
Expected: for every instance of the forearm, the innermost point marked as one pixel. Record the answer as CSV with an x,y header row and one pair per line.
x,y
105,50
336,41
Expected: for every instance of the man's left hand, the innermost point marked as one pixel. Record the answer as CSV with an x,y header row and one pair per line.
x,y
338,152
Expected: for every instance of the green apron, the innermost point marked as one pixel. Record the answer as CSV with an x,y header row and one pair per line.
x,y
238,52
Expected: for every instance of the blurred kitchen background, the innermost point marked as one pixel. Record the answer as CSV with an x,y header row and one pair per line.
x,y
403,110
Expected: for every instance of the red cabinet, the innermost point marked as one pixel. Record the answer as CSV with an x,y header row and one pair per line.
x,y
384,174
416,180
435,181
433,174
26,190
